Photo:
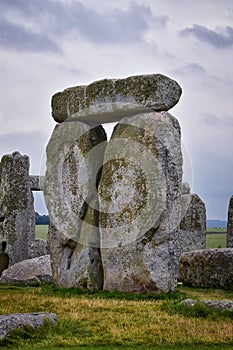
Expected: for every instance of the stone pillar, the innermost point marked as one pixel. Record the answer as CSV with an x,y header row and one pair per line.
x,y
140,204
17,218
192,233
230,224
74,160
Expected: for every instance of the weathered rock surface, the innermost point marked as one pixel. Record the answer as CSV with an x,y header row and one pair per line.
x,y
38,247
17,217
36,182
13,321
109,100
230,224
74,159
140,204
207,268
29,271
192,233
220,305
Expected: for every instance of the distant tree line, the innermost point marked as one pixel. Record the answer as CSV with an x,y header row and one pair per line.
x,y
41,219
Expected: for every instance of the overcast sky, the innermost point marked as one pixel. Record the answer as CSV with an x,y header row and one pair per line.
x,y
49,45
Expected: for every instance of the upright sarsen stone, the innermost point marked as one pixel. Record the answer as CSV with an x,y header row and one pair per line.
x,y
192,233
140,204
230,224
17,218
74,159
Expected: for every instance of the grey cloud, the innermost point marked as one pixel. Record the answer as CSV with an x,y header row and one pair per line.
x,y
16,37
55,18
221,38
213,120
189,69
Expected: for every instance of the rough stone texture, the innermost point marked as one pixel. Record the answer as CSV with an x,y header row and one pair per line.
x,y
140,204
29,271
192,233
17,217
13,321
220,305
38,247
74,159
207,268
36,182
109,100
230,224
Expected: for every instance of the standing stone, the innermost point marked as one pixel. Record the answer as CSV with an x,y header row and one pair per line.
x,y
17,217
110,100
140,204
74,159
192,234
230,224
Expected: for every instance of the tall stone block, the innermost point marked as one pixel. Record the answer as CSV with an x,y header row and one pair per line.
x,y
17,218
192,233
140,204
230,224
74,160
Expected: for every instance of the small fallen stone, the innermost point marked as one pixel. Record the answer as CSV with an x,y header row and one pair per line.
x,y
13,321
220,305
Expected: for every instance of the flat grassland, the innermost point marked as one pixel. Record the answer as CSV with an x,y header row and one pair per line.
x,y
119,321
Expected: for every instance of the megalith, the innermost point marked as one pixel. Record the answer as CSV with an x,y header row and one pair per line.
x,y
140,204
109,100
74,159
192,233
230,224
207,268
17,216
115,210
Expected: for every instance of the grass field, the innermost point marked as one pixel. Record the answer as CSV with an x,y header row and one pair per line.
x,y
215,240
121,321
41,231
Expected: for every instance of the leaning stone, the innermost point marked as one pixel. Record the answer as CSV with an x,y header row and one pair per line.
x,y
17,321
140,204
17,223
207,268
230,224
29,271
192,233
109,100
74,159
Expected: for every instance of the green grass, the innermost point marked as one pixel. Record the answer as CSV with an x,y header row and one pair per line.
x,y
123,321
216,240
41,231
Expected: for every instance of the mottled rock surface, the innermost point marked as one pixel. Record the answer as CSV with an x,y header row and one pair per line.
x,y
140,204
109,100
230,224
207,268
74,159
220,305
38,247
29,271
17,217
192,233
13,321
